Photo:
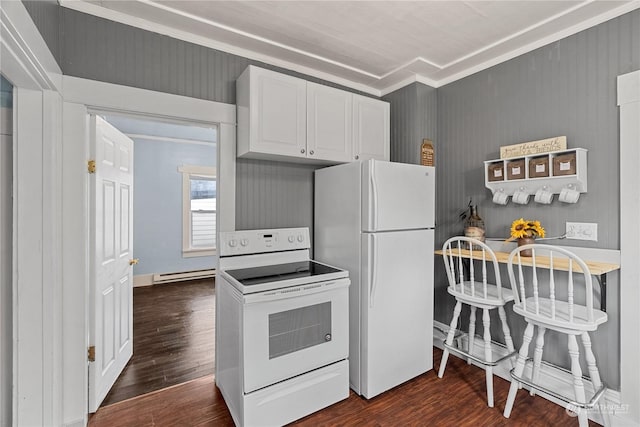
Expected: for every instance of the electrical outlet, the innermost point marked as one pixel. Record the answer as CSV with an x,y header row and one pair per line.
x,y
582,231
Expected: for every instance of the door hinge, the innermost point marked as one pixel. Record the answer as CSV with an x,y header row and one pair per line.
x,y
91,353
91,166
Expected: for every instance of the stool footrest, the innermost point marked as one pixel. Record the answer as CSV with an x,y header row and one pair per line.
x,y
584,405
444,333
465,353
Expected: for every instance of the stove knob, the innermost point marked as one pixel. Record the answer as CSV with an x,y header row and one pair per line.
x,y
244,242
292,239
300,238
233,243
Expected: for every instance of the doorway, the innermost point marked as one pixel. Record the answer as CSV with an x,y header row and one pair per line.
x,y
82,95
174,229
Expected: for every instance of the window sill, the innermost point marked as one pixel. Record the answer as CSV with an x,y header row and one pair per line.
x,y
192,253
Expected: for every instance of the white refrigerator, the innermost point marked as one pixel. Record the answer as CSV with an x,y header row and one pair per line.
x,y
376,220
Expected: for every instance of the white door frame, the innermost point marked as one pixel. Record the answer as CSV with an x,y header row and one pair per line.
x,y
36,274
629,103
80,96
6,252
51,238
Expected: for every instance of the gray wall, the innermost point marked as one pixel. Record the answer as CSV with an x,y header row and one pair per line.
x,y
46,15
273,194
157,205
93,48
414,114
565,88
6,225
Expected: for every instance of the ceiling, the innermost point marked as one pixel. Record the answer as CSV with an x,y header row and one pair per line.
x,y
373,46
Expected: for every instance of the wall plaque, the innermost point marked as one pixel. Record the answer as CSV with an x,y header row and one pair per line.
x,y
533,147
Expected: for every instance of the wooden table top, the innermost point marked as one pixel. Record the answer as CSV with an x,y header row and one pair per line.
x,y
595,267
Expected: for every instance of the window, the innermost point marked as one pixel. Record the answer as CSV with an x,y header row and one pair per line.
x,y
199,210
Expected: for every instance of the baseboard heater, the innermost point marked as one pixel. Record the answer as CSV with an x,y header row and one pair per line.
x,y
184,275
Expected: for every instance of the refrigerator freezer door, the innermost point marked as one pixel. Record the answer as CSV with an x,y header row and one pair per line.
x,y
397,196
397,308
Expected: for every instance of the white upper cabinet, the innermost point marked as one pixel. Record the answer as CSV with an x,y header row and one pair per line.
x,y
271,113
370,128
329,128
281,117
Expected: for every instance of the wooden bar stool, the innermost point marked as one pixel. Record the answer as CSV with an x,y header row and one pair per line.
x,y
546,298
468,283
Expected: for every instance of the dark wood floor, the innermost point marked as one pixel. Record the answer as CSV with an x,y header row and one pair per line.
x,y
458,399
173,338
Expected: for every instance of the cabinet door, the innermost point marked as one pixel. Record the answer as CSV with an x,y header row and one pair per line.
x,y
371,128
329,123
278,113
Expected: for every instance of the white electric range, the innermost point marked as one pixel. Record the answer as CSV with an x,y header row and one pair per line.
x,y
282,326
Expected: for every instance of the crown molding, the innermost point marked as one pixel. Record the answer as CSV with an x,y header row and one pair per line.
x,y
26,60
574,29
387,82
113,15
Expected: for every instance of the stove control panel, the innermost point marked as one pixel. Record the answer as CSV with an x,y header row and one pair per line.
x,y
245,242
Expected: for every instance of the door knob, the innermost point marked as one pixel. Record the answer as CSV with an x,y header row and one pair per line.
x,y
133,261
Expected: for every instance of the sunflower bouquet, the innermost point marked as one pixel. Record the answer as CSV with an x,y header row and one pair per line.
x,y
521,228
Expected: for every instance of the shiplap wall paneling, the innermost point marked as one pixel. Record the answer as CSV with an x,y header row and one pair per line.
x,y
403,122
413,118
98,49
566,88
428,109
46,15
273,194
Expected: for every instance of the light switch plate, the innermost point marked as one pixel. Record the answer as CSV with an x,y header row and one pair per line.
x,y
582,231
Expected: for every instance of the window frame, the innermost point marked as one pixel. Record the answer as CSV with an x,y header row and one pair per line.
x,y
190,172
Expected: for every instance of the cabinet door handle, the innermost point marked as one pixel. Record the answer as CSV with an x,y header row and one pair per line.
x,y
302,151
311,152
357,157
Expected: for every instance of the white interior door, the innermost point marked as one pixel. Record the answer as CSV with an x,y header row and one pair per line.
x,y
111,296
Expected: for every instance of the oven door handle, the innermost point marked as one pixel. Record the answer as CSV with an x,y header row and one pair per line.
x,y
372,266
296,291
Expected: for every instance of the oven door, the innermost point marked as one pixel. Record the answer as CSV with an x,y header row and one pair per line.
x,y
290,331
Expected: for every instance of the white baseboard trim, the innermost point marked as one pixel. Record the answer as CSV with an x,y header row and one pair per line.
x,y
554,377
183,275
76,423
142,280
154,278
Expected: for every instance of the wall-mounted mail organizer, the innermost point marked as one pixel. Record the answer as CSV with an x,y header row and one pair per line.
x,y
541,175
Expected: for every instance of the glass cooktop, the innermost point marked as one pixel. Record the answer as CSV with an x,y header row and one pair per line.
x,y
279,272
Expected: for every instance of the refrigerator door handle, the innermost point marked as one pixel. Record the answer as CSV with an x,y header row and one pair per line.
x,y
374,279
374,198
